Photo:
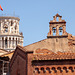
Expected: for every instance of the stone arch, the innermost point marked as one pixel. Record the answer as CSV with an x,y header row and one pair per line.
x,y
48,69
57,19
6,29
65,68
6,42
54,69
71,68
54,31
42,69
60,30
59,68
37,70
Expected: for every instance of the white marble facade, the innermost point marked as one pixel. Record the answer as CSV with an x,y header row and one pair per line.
x,y
10,36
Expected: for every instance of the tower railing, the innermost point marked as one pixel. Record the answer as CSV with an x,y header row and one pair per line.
x,y
8,15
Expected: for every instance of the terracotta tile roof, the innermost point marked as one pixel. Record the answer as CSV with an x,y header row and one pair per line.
x,y
23,48
54,56
9,54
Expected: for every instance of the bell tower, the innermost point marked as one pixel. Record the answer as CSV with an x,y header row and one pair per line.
x,y
57,26
10,36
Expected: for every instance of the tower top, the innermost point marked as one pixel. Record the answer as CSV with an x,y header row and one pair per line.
x,y
57,26
9,33
9,17
57,15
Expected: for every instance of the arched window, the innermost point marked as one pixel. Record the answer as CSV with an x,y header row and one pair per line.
x,y
13,44
60,30
57,19
54,31
6,29
37,69
54,69
15,27
42,69
48,69
11,23
65,68
16,41
71,68
5,42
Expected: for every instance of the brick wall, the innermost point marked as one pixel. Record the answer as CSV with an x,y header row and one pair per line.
x,y
18,63
62,67
22,63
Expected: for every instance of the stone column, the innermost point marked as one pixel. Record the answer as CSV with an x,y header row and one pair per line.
x,y
59,72
18,28
1,27
14,42
8,29
70,71
51,31
65,71
47,70
55,18
4,42
36,72
11,42
22,42
57,30
17,40
74,71
59,19
64,30
1,42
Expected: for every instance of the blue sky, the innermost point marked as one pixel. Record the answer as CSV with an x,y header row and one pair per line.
x,y
36,14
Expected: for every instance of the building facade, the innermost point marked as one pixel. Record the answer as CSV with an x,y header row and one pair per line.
x,y
52,56
10,36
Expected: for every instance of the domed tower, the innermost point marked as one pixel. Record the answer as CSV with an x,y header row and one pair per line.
x,y
9,33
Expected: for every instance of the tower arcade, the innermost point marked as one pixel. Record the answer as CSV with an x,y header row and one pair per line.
x,y
57,26
10,36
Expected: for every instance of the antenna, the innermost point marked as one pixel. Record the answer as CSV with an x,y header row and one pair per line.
x,y
14,13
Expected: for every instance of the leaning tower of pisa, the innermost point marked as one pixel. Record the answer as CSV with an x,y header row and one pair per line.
x,y
10,36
